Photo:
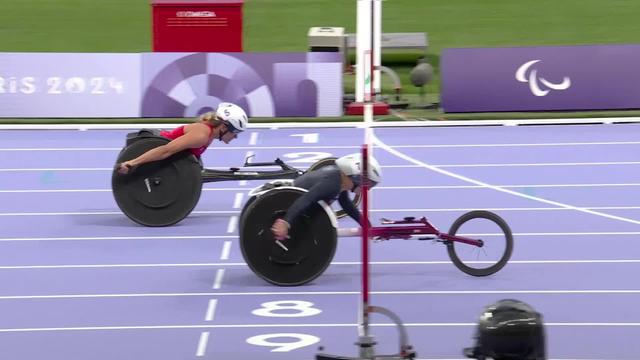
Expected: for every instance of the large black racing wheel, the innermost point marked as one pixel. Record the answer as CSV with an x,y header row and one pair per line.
x,y
357,198
159,193
497,243
301,258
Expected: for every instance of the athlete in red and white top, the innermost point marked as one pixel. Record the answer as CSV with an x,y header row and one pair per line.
x,y
224,124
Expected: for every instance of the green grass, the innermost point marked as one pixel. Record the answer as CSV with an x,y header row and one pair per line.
x,y
282,25
75,26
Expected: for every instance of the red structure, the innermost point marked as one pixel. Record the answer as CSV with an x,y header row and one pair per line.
x,y
197,25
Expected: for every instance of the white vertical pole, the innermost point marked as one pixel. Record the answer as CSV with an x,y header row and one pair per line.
x,y
363,45
377,49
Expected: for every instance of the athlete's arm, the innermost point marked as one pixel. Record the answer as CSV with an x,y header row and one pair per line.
x,y
320,191
195,135
348,207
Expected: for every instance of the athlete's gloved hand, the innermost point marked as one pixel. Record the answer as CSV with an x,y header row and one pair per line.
x,y
280,229
125,167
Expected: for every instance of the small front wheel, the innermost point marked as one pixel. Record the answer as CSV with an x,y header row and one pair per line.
x,y
497,243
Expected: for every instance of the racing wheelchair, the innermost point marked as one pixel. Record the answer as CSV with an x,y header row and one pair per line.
x,y
163,193
312,241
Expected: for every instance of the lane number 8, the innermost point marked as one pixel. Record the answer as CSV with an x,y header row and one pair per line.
x,y
286,308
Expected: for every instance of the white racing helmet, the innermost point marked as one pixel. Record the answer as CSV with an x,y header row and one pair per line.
x,y
351,165
233,116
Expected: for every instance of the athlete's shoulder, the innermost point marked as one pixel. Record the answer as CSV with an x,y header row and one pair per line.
x,y
324,173
329,169
197,126
198,129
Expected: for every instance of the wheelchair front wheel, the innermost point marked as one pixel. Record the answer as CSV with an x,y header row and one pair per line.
x,y
497,243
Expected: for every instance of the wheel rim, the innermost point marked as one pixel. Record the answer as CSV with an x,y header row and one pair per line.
x,y
496,250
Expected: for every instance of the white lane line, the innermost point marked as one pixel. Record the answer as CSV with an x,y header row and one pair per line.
x,y
419,122
105,213
510,209
211,310
431,187
233,224
476,182
311,325
197,237
430,146
237,202
61,149
226,250
217,283
377,188
335,263
89,238
108,266
318,293
253,139
54,169
602,163
96,190
229,212
594,143
202,344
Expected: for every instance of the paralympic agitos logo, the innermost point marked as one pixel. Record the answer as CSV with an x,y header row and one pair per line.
x,y
538,85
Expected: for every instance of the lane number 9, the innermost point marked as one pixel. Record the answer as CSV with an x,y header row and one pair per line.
x,y
302,340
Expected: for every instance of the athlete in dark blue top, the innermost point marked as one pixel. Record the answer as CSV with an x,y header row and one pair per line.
x,y
329,183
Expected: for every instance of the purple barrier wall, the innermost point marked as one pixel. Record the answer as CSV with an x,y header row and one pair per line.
x,y
266,84
69,85
169,84
540,78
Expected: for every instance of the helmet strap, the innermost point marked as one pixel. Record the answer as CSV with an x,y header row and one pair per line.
x,y
353,188
221,134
